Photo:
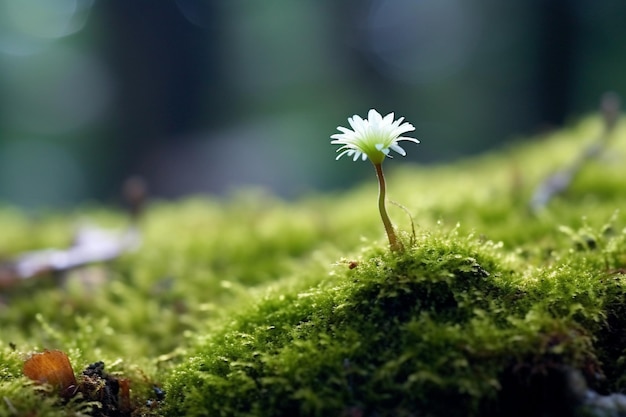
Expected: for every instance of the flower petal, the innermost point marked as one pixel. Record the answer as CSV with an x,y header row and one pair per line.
x,y
374,117
398,149
345,152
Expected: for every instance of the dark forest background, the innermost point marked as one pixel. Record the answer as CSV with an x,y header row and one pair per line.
x,y
202,96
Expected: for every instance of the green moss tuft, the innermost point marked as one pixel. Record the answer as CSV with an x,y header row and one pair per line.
x,y
431,331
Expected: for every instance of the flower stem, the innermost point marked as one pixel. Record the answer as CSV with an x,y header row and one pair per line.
x,y
394,243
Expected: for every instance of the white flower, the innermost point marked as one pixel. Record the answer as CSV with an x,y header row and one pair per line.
x,y
373,137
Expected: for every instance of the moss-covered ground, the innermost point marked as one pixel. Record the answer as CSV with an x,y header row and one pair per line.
x,y
253,306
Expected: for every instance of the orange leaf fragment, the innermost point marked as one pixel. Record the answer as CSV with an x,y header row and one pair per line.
x,y
52,367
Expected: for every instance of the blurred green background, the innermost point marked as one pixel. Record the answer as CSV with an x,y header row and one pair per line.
x,y
203,96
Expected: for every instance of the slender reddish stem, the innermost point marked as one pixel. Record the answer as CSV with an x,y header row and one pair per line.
x,y
394,243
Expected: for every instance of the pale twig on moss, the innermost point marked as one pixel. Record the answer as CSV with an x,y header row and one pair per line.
x,y
561,180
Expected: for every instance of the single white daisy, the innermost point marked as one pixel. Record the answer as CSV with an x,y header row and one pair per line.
x,y
372,137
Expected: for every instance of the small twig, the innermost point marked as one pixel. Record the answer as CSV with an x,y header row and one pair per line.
x,y
408,213
561,180
91,244
135,191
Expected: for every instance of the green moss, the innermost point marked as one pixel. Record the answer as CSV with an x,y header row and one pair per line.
x,y
432,331
255,306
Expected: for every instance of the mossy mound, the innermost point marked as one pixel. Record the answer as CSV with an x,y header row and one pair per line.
x,y
447,328
255,306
